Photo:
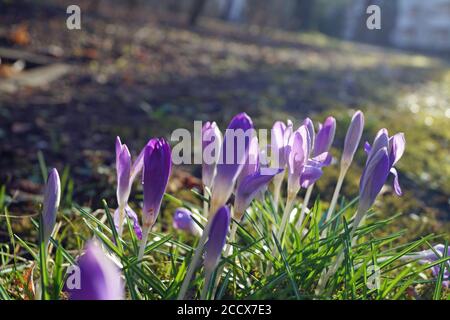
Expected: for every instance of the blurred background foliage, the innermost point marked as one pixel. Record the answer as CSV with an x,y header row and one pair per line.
x,y
144,68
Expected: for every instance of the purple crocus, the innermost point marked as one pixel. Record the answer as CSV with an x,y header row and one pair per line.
x,y
126,173
382,156
431,255
352,138
182,220
395,147
211,138
99,277
216,238
52,196
157,168
233,156
319,150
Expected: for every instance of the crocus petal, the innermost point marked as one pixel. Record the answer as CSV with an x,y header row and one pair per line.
x,y
250,187
123,175
396,184
373,178
134,219
381,141
251,165
310,127
323,159
211,138
297,158
216,238
397,144
52,196
325,136
157,167
367,147
236,141
352,138
310,175
100,278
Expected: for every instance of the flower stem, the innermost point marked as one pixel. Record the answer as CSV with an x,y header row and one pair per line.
x,y
277,181
121,220
208,278
279,235
336,192
226,254
145,232
325,276
304,206
194,261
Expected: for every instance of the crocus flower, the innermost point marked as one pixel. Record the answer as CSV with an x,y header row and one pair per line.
x,y
182,220
126,173
216,238
211,138
325,136
51,203
352,138
430,256
319,146
395,146
233,155
100,277
157,167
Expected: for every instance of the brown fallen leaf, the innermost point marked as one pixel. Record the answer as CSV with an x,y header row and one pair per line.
x,y
20,35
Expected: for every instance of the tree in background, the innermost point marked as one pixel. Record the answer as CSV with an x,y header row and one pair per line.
x,y
195,11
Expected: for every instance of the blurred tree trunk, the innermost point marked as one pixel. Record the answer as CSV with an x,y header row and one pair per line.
x,y
196,10
304,10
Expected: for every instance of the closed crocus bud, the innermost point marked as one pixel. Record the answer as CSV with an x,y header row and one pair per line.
x,y
51,203
123,168
211,142
99,276
352,138
373,178
157,167
182,220
250,187
216,238
325,136
234,152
